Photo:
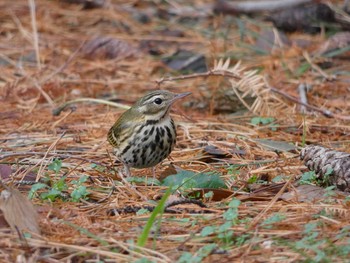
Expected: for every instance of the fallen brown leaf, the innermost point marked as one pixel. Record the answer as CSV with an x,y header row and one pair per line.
x,y
18,211
306,193
108,48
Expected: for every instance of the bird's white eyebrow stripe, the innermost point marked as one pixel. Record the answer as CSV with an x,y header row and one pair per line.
x,y
151,98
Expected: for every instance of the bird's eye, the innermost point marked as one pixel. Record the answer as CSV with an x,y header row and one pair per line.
x,y
158,101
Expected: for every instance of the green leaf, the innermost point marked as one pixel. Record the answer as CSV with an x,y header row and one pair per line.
x,y
198,256
310,227
344,232
233,170
206,250
55,165
185,258
252,179
189,180
255,120
142,211
144,180
234,203
329,171
209,194
143,260
208,230
261,120
60,185
273,219
51,195
241,239
337,52
79,192
279,178
27,235
307,177
225,226
83,178
226,237
35,188
302,69
230,214
274,126
98,168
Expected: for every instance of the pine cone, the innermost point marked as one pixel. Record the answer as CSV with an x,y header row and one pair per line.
x,y
321,160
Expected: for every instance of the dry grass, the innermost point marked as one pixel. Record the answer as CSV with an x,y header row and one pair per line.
x,y
31,137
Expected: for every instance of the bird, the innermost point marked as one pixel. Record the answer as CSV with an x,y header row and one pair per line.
x,y
144,135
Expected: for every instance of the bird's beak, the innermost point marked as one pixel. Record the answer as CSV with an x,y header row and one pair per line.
x,y
180,96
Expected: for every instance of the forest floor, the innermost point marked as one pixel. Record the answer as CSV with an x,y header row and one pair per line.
x,y
239,191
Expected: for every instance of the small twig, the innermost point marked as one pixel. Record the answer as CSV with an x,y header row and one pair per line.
x,y
57,111
186,201
199,75
62,118
48,151
317,68
273,201
64,65
43,92
326,113
135,209
303,88
241,99
108,196
35,32
63,156
21,29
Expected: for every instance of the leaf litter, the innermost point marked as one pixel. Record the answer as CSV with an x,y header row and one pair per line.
x,y
244,122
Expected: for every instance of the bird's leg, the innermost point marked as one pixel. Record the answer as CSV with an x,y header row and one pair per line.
x,y
154,174
131,187
127,170
126,173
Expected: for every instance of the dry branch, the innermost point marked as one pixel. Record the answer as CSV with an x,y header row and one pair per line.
x,y
235,7
244,83
57,111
